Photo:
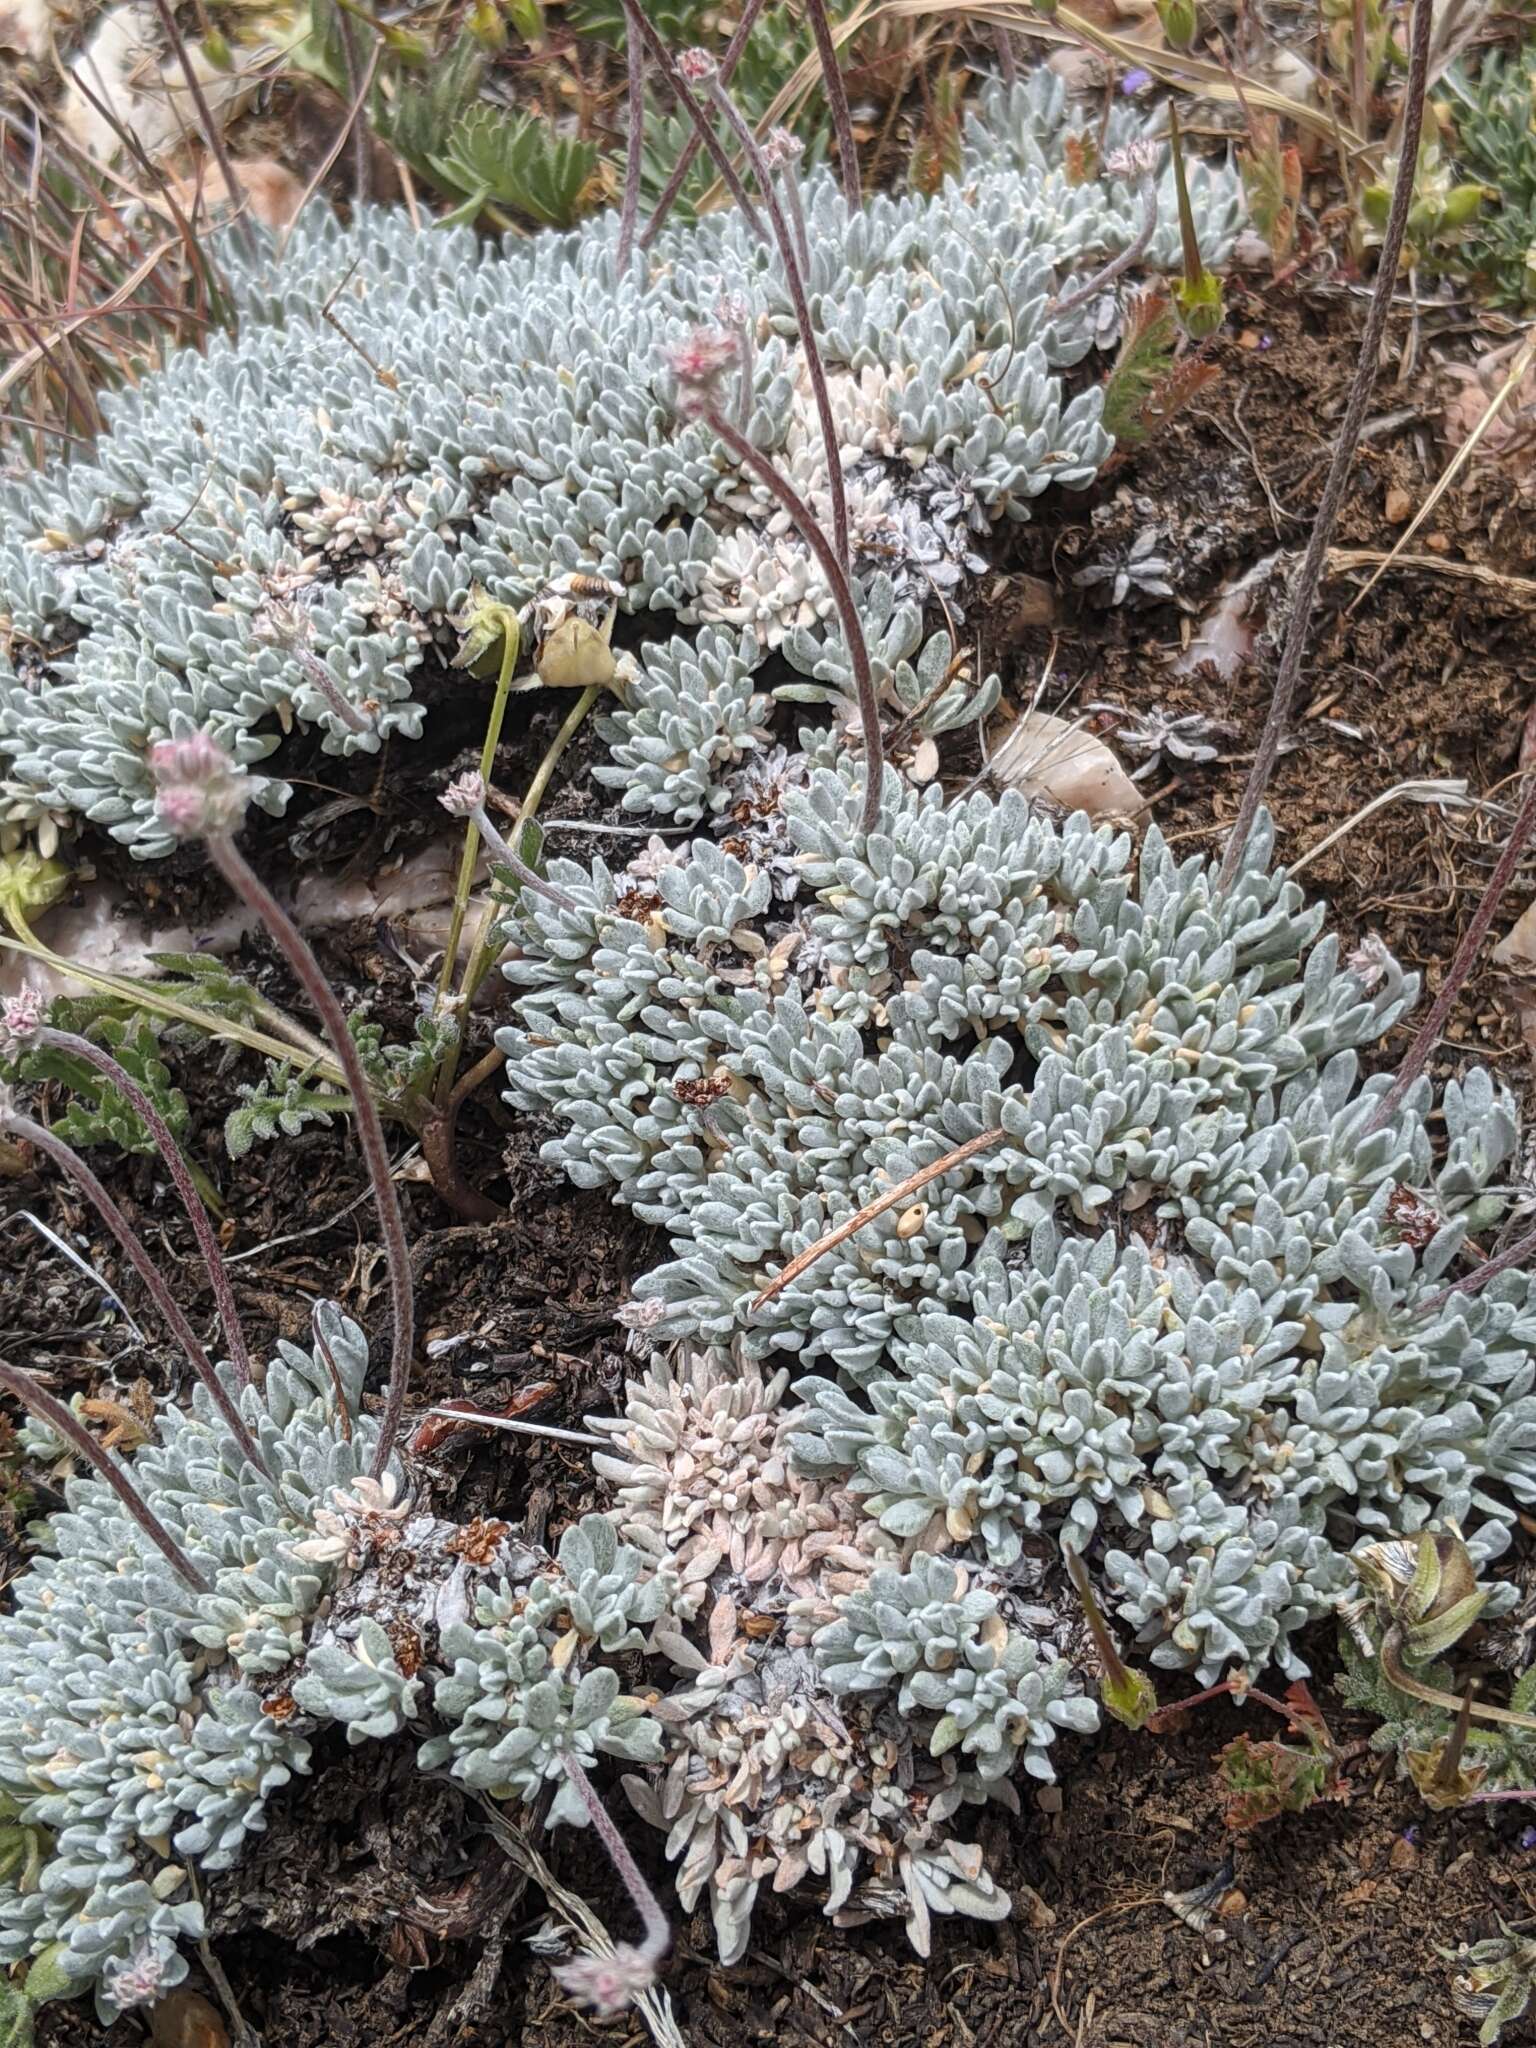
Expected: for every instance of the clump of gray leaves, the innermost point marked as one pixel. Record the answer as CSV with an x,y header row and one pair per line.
x,y
283,530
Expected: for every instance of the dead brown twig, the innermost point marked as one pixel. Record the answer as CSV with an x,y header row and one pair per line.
x,y
803,1261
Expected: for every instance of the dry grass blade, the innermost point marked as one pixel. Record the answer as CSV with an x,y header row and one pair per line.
x,y
71,322
1457,463
1521,588
803,1261
1448,790
654,2006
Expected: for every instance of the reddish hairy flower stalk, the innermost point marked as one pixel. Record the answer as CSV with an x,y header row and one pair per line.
x,y
634,147
201,797
1310,575
782,152
325,683
69,1161
694,144
22,1023
698,366
700,69
1428,1034
1518,1254
662,58
610,1983
67,1425
837,100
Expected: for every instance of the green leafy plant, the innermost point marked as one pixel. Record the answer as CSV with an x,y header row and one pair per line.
x,y
400,1079
518,163
1152,378
1263,1779
1495,147
98,1113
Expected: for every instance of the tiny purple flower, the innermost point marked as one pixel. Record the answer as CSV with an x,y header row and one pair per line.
x,y
1528,1838
699,363
1135,81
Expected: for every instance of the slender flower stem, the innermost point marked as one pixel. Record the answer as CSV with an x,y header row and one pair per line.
x,y
1518,1254
239,198
694,144
678,85
794,277
69,1161
502,853
842,596
325,683
796,210
66,1424
837,100
511,642
1131,253
248,885
658,1932
634,148
170,1152
1309,577
1428,1034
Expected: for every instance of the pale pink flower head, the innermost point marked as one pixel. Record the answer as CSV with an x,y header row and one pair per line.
x,y
464,796
607,1983
782,147
199,794
21,1018
699,363
697,66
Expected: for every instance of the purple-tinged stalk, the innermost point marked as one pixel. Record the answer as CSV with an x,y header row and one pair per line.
x,y
782,151
1427,1036
69,1162
634,147
350,716
698,366
837,100
202,797
610,1983
66,1425
691,148
1310,575
239,198
281,626
699,68
21,1024
466,799
662,57
732,311
1136,164
1518,1254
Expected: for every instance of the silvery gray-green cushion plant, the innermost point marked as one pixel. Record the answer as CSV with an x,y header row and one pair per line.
x,y
144,1725
491,418
1171,1314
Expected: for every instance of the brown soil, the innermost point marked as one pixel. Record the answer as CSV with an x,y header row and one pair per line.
x,y
375,1910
